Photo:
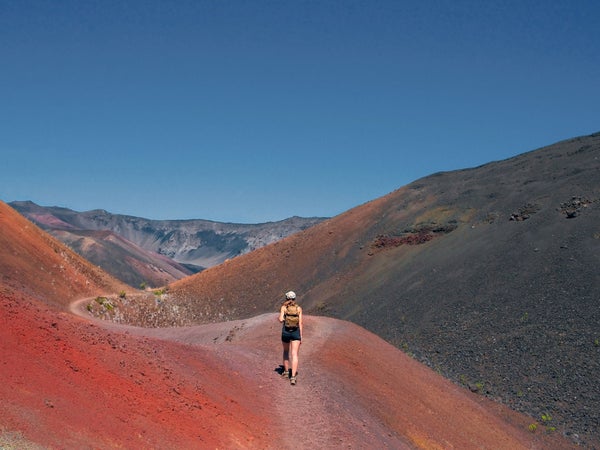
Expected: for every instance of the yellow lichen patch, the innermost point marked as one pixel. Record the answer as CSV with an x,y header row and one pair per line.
x,y
443,214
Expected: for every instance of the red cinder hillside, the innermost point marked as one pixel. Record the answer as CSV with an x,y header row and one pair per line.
x,y
68,381
33,262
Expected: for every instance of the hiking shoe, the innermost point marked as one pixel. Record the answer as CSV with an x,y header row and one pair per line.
x,y
293,381
285,374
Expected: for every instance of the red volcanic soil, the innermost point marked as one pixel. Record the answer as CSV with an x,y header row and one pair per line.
x,y
68,382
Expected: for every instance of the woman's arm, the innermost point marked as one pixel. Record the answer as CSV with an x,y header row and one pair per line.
x,y
282,314
300,321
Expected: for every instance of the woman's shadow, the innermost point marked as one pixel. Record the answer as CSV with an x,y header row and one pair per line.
x,y
279,370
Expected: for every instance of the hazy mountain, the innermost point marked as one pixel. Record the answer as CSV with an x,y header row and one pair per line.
x,y
125,260
155,252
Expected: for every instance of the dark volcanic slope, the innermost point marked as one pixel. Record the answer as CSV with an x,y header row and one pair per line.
x,y
489,275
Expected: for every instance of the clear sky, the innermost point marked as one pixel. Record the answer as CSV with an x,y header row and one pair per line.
x,y
253,111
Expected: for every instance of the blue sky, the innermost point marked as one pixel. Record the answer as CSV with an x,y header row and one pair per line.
x,y
253,111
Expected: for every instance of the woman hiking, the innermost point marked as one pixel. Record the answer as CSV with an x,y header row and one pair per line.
x,y
290,315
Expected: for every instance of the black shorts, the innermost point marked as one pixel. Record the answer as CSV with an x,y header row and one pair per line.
x,y
290,334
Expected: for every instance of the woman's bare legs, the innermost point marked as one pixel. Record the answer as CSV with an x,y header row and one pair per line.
x,y
286,357
295,349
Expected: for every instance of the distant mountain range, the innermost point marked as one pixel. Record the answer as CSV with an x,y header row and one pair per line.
x,y
149,252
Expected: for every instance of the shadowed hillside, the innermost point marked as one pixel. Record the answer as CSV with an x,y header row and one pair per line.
x,y
489,275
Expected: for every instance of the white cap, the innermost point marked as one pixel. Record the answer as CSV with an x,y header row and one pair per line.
x,y
291,295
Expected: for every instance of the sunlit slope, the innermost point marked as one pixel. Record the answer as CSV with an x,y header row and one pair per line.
x,y
37,264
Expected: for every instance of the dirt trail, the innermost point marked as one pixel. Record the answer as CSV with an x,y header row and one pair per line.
x,y
319,405
317,408
354,390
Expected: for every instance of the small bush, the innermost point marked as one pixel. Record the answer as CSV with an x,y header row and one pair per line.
x,y
122,294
